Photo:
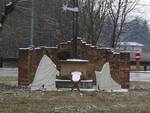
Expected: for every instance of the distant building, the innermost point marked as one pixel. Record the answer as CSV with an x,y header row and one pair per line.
x,y
130,46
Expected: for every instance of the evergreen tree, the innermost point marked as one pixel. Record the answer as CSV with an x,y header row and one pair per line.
x,y
137,31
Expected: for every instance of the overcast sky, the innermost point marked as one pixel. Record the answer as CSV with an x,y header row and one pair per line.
x,y
143,10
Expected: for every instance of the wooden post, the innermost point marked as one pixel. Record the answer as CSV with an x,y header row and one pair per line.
x,y
138,65
1,62
145,68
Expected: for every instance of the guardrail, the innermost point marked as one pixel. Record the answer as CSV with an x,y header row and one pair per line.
x,y
144,63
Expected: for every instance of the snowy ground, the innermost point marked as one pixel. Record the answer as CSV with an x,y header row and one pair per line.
x,y
19,101
140,76
8,72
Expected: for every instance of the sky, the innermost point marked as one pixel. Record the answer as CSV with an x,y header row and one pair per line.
x,y
143,10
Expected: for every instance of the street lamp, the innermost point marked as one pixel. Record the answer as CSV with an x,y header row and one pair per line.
x,y
32,25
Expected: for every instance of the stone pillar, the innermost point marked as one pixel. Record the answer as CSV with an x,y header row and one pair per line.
x,y
114,67
124,69
23,72
27,64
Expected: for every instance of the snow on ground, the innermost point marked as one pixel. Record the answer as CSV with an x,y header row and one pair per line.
x,y
9,72
140,76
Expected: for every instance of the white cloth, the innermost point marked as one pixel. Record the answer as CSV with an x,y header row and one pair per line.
x,y
45,75
104,80
76,76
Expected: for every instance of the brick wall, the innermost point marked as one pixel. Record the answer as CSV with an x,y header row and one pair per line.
x,y
119,62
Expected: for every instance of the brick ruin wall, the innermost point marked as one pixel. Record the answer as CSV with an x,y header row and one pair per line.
x,y
119,62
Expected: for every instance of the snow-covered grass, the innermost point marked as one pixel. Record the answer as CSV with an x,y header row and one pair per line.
x,y
137,100
140,76
9,80
67,102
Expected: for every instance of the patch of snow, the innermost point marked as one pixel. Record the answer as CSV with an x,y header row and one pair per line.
x,y
81,89
79,38
140,76
29,48
70,80
24,48
116,53
104,48
140,71
68,41
130,44
37,48
121,91
86,80
9,72
84,42
93,46
108,48
77,60
59,80
63,43
88,44
75,9
88,90
50,47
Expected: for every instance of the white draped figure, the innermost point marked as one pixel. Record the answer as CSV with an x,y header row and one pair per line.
x,y
104,80
45,75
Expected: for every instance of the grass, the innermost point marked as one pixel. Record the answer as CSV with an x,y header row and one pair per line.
x,y
137,100
8,80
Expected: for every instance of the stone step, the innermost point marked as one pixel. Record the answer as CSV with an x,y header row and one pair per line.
x,y
68,84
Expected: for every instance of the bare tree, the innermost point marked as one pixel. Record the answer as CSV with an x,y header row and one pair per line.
x,y
15,27
53,25
118,11
93,13
8,8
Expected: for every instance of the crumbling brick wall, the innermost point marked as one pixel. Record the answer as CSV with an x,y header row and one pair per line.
x,y
119,62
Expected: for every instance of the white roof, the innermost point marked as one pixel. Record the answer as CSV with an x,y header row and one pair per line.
x,y
131,44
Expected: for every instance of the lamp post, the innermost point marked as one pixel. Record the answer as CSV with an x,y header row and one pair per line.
x,y
32,25
75,29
